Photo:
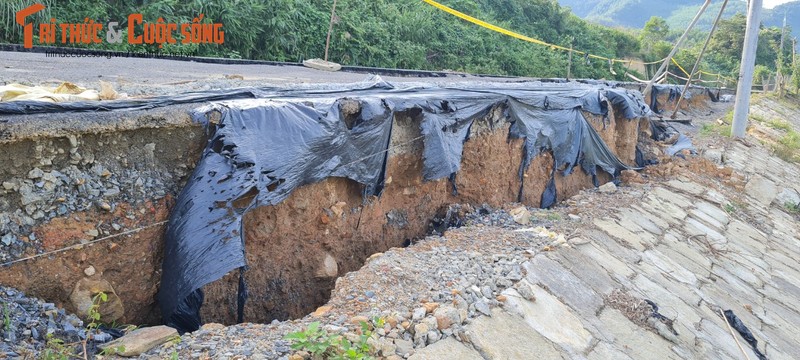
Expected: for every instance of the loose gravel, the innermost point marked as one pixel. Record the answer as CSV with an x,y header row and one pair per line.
x,y
425,293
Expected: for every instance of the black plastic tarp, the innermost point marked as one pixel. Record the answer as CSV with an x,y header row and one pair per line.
x,y
673,91
263,149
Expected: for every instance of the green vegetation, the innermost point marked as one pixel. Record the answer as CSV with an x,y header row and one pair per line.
x,y
6,318
553,216
715,129
413,35
796,78
384,33
322,345
57,349
730,208
792,208
788,146
635,13
725,49
779,124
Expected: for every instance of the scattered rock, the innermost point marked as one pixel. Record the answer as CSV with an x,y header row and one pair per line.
x,y
212,326
607,188
788,196
89,271
526,291
420,330
104,205
483,308
630,177
27,322
418,314
9,185
714,155
446,316
404,347
36,173
8,239
320,64
322,310
521,215
357,320
141,340
574,217
338,208
328,268
430,307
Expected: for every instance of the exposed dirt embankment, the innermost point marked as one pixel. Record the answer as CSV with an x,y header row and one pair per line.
x,y
298,248
116,179
71,179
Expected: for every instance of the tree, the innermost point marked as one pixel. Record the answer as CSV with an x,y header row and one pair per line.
x,y
656,29
728,39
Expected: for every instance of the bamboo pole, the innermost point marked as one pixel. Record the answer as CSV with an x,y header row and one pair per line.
x,y
330,28
699,58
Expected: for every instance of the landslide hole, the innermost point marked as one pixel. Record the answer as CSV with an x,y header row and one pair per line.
x,y
308,274
351,113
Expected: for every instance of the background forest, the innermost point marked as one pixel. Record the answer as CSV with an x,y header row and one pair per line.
x,y
413,35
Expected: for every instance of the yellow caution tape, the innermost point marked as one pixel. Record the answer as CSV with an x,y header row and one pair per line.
x,y
680,67
519,36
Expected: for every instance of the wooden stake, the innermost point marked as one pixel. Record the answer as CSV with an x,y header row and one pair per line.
x,y
569,61
725,319
330,28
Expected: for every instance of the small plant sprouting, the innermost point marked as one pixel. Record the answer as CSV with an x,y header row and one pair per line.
x,y
56,349
553,216
6,317
792,208
322,345
729,208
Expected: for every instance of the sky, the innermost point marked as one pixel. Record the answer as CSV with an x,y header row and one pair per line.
x,y
769,4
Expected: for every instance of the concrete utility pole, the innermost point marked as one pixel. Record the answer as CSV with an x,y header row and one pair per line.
x,y
742,106
666,62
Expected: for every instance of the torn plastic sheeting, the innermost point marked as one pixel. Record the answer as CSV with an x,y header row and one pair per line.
x,y
661,131
683,143
22,107
64,92
264,149
445,128
674,92
739,326
568,135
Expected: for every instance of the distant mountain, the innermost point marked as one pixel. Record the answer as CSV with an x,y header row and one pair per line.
x,y
625,13
678,13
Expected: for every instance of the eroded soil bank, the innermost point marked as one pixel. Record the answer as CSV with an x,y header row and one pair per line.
x,y
122,184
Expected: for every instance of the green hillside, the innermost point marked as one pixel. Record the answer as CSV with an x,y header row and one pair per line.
x,y
681,17
634,14
626,13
